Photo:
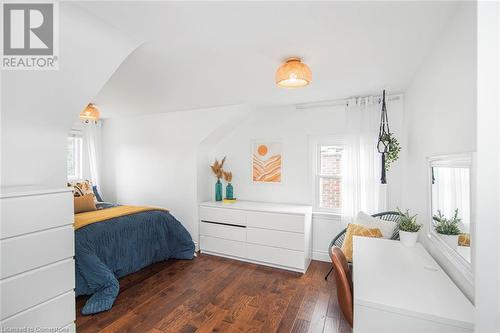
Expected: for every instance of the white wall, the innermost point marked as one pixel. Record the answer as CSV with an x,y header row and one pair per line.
x,y
487,282
156,159
296,129
441,116
39,107
163,159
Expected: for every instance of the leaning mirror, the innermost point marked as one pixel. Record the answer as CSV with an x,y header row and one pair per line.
x,y
450,178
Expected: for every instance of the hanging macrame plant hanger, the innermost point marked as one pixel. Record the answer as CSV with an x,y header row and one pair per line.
x,y
383,144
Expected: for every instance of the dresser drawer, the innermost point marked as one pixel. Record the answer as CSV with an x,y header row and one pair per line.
x,y
276,256
228,216
21,215
285,222
223,231
20,254
57,312
276,238
223,246
37,286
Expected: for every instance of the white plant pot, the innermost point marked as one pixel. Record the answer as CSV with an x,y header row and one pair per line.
x,y
408,239
451,240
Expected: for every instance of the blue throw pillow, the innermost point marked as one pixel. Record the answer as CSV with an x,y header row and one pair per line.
x,y
96,193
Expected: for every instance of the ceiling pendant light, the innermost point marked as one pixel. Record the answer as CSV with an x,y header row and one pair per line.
x,y
90,113
293,74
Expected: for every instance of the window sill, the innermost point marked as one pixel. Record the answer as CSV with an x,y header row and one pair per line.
x,y
327,215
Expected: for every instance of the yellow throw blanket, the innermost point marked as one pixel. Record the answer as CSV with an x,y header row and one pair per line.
x,y
84,219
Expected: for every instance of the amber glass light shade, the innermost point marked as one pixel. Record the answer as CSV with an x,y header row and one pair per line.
x,y
293,74
90,113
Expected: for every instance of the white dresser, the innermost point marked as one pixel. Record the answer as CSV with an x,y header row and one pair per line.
x,y
401,289
277,235
37,270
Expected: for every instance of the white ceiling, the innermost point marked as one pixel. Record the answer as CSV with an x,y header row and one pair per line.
x,y
203,54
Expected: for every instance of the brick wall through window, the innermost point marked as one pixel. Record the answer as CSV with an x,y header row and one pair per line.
x,y
330,177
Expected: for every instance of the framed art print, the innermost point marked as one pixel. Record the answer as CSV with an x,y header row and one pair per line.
x,y
267,162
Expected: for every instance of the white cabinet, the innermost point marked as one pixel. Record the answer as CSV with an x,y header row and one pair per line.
x,y
37,269
277,235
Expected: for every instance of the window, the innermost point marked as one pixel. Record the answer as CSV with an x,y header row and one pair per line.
x,y
74,157
329,178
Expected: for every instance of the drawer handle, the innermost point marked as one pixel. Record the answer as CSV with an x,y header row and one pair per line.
x,y
226,224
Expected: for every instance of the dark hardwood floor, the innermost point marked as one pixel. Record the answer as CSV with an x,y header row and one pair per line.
x,y
212,294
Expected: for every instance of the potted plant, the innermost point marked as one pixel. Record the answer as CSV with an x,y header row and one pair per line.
x,y
218,172
408,229
228,177
448,228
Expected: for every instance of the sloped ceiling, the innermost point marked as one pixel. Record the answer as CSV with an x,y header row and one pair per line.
x,y
39,107
205,54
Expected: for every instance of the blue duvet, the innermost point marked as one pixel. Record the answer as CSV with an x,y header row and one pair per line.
x,y
108,250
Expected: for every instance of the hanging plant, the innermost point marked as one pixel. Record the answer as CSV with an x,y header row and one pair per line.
x,y
387,145
393,150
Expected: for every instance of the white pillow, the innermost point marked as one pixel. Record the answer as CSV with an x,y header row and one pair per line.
x,y
385,227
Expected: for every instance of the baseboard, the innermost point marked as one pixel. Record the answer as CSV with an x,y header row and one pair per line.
x,y
196,246
258,262
320,255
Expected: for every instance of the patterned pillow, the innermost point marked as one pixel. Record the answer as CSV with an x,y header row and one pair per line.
x,y
81,188
464,239
357,230
84,203
386,227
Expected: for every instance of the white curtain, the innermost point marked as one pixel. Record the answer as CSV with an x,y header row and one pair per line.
x,y
91,139
361,187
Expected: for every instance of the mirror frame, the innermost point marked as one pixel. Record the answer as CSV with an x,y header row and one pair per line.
x,y
460,263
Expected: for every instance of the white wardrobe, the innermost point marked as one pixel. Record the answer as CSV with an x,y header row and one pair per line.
x,y
37,270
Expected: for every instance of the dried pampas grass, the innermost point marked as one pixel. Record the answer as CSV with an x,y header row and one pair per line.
x,y
217,168
228,176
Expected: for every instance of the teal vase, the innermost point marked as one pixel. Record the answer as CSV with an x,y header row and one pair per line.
x,y
218,191
229,191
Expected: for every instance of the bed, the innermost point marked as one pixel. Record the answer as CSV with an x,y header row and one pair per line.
x,y
120,244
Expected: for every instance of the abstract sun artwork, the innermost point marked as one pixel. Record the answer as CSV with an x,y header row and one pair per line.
x,y
267,162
